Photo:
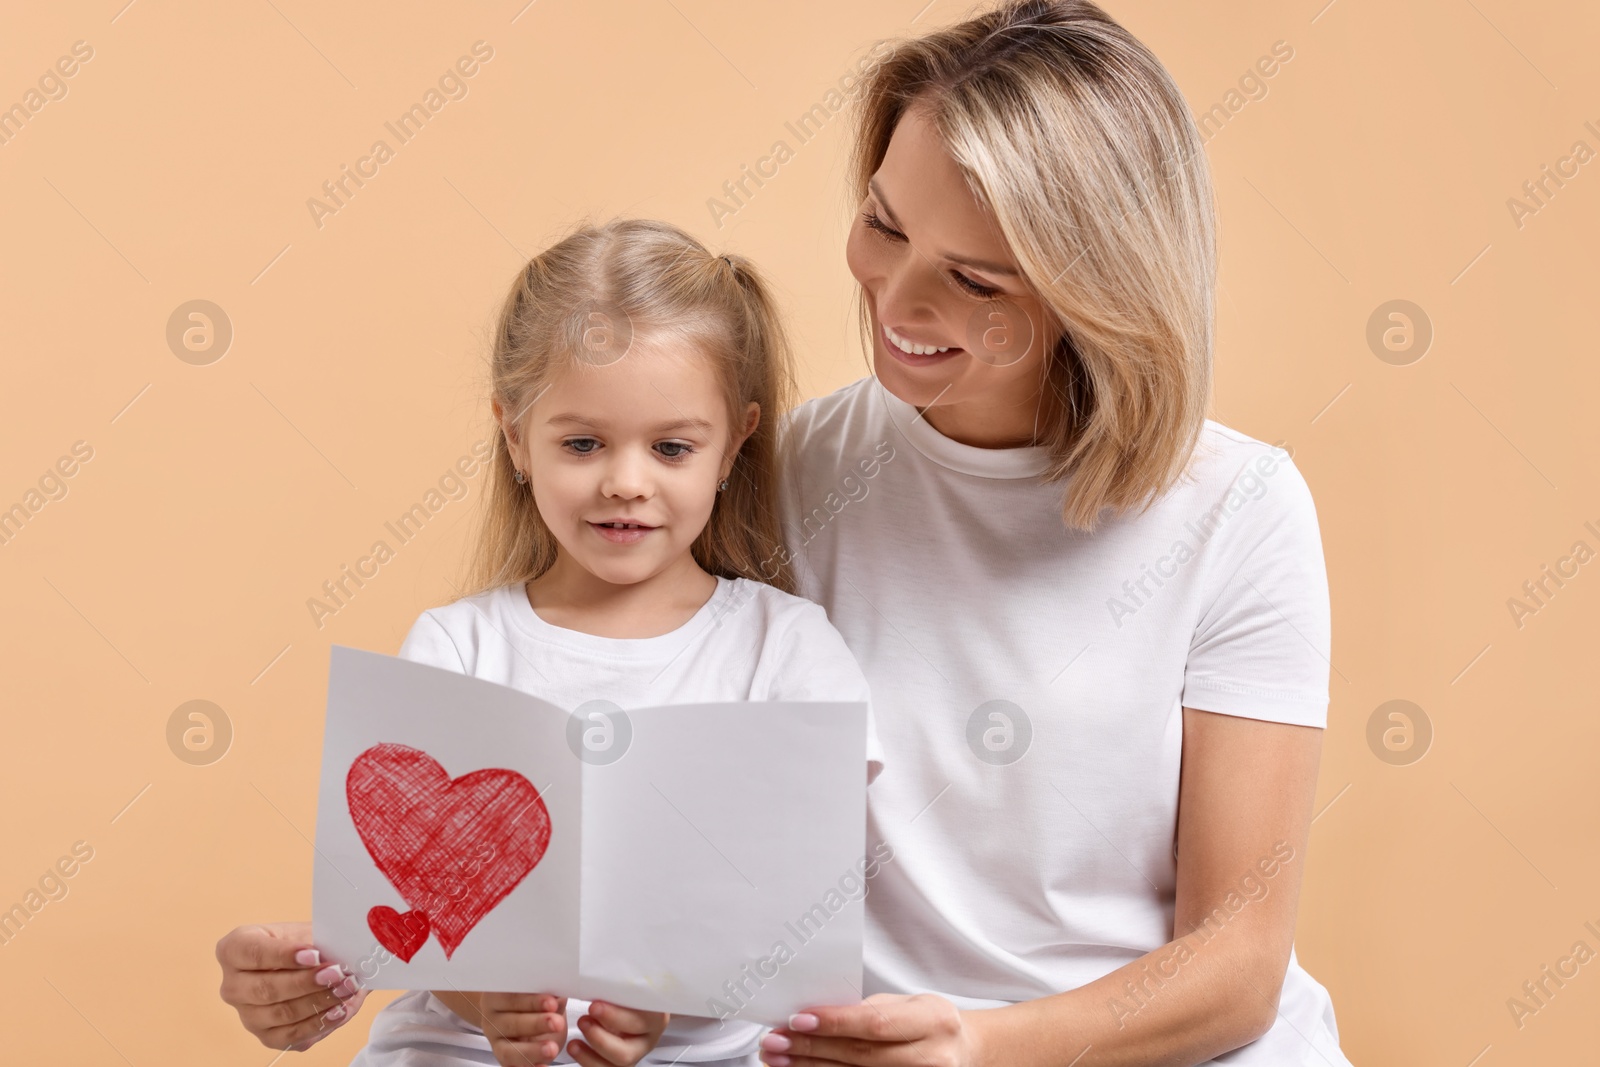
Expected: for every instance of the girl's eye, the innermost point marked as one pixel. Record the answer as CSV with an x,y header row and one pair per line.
x,y
873,222
682,449
581,445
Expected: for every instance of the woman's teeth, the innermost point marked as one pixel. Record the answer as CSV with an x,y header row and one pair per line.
x,y
912,347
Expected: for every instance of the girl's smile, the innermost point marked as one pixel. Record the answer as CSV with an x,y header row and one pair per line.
x,y
621,532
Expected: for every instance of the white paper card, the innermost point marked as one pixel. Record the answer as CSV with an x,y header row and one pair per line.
x,y
685,858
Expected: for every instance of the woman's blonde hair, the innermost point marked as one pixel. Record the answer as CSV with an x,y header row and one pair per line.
x,y
598,295
1075,136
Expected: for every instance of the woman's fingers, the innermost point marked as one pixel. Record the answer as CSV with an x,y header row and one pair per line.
x,y
245,989
266,947
885,1030
283,991
284,1014
302,1035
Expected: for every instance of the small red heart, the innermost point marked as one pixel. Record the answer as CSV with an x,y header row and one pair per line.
x,y
400,934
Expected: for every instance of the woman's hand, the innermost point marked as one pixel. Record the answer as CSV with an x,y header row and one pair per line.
x,y
528,1028
885,1030
284,994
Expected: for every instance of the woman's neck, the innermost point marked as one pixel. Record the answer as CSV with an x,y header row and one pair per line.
x,y
573,598
1012,423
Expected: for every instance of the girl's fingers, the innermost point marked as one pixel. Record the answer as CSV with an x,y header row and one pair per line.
x,y
521,1002
588,1057
620,1020
616,1048
525,1053
523,1025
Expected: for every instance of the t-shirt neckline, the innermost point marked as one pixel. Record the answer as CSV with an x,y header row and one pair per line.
x,y
662,646
1025,461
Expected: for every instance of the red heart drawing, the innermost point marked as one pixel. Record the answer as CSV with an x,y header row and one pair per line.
x,y
400,934
453,847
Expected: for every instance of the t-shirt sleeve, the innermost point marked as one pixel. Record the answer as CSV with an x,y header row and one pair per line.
x,y
429,642
814,663
1262,645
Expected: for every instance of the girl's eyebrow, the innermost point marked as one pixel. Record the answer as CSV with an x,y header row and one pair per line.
x,y
967,261
686,423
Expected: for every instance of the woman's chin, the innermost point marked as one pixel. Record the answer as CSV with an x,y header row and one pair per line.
x,y
917,385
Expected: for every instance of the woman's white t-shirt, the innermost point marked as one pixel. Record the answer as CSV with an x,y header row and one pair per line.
x,y
1030,682
749,641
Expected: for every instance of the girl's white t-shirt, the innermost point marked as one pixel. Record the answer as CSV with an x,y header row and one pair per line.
x,y
749,641
1030,681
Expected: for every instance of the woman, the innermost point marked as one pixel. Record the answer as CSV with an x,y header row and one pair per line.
x,y
1095,623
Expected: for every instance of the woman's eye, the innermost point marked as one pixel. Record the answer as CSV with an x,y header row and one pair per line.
x,y
873,222
675,449
973,287
582,445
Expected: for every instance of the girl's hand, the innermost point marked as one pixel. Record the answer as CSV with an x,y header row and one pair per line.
x,y
885,1030
283,992
523,1028
617,1036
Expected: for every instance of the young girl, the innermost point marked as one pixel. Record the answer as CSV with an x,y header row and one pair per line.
x,y
630,551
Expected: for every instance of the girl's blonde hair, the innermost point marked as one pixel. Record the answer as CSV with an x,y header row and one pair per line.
x,y
1076,137
604,293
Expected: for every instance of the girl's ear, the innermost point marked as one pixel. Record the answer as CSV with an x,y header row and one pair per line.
x,y
500,417
752,419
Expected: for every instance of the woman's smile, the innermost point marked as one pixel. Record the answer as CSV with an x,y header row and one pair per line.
x,y
915,355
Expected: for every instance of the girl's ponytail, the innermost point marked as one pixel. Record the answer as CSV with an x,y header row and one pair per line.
x,y
743,537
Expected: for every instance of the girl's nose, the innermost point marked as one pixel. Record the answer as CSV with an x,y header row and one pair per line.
x,y
626,476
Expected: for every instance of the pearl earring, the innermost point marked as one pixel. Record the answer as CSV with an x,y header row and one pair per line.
x,y
520,477
722,485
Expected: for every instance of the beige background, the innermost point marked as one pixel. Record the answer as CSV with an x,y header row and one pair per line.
x,y
1378,166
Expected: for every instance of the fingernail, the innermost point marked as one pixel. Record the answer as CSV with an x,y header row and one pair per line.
x,y
308,957
333,1015
346,988
329,975
775,1043
778,1061
803,1022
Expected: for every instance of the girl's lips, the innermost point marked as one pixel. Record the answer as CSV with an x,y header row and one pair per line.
x,y
621,537
915,361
